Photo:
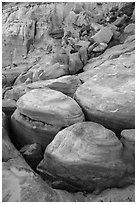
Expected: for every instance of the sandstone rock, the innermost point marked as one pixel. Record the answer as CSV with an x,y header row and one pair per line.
x,y
128,140
98,69
23,77
103,36
33,131
51,107
83,55
33,154
109,101
120,21
65,84
130,29
10,76
75,64
54,71
16,92
8,149
8,106
101,47
86,149
21,184
126,194
41,113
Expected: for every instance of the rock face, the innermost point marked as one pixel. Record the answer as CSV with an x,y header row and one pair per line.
x,y
42,113
86,149
109,101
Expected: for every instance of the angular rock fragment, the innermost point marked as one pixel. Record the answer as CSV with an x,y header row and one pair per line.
x,y
103,36
86,149
75,64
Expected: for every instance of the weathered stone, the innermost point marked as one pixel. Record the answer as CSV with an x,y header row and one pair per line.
x,y
130,29
128,140
54,71
83,55
8,106
41,113
8,149
109,101
65,84
33,154
15,92
98,69
51,107
103,36
75,64
86,149
101,47
33,131
21,184
119,22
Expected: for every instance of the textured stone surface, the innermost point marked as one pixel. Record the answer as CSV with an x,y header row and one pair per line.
x,y
109,101
33,131
50,106
86,149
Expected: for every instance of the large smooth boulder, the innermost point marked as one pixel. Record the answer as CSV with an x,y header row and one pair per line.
x,y
109,100
88,156
41,113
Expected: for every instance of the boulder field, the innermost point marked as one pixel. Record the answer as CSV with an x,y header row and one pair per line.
x,y
68,102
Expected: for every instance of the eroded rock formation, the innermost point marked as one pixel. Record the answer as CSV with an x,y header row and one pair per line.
x,y
68,99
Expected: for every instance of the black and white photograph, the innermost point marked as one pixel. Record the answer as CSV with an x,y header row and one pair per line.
x,y
68,101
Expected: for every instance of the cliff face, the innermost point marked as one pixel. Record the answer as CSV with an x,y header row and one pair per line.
x,y
26,26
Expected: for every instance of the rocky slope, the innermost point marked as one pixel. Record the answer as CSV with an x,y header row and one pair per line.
x,y
68,83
